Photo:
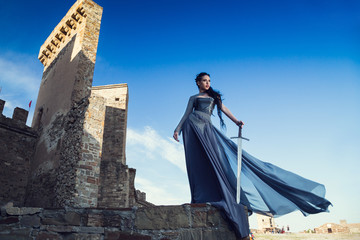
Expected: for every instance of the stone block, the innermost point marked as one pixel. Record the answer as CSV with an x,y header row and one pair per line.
x,y
89,229
16,234
214,219
48,236
60,217
125,236
20,115
22,211
61,229
95,220
13,211
209,234
83,236
170,235
9,220
198,217
6,229
30,221
111,218
191,234
73,218
163,217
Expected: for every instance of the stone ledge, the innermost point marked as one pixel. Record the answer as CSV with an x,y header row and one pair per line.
x,y
180,222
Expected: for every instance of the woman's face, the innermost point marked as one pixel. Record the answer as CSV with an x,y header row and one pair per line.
x,y
204,83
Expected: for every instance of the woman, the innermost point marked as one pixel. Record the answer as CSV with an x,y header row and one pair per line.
x,y
211,161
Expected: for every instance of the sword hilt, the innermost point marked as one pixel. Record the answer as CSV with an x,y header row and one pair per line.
x,y
240,135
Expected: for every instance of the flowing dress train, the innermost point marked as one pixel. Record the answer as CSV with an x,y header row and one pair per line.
x,y
211,161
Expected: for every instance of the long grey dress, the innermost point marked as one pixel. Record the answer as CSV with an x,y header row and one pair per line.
x,y
211,161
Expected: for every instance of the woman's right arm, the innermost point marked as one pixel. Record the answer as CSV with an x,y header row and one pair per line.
x,y
188,110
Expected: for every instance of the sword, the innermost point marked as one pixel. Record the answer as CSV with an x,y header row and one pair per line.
x,y
239,156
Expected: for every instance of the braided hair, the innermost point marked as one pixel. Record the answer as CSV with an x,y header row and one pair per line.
x,y
216,95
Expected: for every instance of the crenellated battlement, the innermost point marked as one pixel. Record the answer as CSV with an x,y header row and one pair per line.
x,y
17,146
68,26
83,20
20,115
2,104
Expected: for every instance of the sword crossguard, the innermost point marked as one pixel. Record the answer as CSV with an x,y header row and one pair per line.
x,y
240,135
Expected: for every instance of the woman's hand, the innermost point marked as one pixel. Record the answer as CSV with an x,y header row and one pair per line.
x,y
240,123
176,136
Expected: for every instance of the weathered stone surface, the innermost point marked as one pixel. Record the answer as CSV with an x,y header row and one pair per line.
x,y
30,221
108,219
90,229
6,229
163,223
198,217
164,217
53,217
61,229
214,219
22,211
218,235
191,234
95,220
170,235
48,236
29,210
9,220
17,143
83,236
125,236
73,218
13,211
206,234
16,234
60,217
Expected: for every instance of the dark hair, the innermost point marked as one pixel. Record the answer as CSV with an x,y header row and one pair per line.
x,y
216,95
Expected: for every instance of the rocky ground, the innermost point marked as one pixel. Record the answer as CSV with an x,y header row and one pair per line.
x,y
307,236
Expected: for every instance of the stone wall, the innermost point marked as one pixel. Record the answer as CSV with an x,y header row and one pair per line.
x,y
266,223
332,228
17,143
68,56
116,183
185,222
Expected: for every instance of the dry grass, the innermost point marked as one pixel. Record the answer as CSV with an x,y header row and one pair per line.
x,y
307,236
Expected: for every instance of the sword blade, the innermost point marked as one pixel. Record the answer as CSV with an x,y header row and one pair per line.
x,y
239,156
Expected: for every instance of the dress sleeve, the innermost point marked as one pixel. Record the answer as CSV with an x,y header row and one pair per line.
x,y
188,110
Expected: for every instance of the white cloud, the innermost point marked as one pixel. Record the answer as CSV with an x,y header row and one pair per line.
x,y
20,77
160,195
160,166
153,146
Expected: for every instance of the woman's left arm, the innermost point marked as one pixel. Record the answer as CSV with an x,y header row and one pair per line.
x,y
227,112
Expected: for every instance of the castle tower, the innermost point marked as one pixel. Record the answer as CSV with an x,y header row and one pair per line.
x,y
68,56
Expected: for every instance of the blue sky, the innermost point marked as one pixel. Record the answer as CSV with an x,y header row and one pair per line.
x,y
288,69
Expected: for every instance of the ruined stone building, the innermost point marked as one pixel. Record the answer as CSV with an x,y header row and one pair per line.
x,y
266,224
66,177
342,227
74,152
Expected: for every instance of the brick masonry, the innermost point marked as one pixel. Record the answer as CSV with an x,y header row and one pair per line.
x,y
17,143
185,222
